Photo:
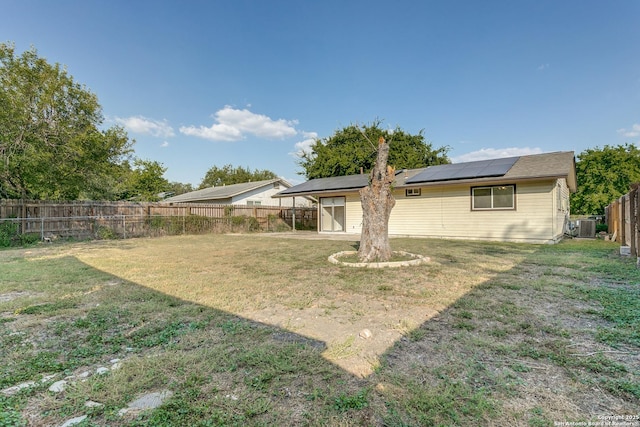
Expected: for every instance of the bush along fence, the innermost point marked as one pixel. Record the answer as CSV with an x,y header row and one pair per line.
x,y
623,220
23,222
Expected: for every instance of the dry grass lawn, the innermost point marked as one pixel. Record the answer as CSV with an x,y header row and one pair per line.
x,y
288,283
260,329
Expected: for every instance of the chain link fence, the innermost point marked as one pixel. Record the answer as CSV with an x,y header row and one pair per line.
x,y
22,231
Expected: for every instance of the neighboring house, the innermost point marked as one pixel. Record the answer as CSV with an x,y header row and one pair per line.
x,y
249,193
520,199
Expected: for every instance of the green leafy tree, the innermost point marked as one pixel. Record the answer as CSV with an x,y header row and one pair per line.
x,y
228,175
176,188
604,174
349,151
51,146
146,181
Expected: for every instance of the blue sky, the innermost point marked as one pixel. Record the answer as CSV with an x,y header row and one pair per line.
x,y
249,83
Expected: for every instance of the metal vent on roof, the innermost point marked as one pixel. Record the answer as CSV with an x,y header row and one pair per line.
x,y
479,169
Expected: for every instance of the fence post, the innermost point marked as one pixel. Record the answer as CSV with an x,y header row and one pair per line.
x,y
293,213
124,226
23,215
636,216
623,221
633,194
42,228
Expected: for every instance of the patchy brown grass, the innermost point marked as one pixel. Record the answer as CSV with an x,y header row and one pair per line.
x,y
262,330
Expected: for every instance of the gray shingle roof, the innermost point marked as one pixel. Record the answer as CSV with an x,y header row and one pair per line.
x,y
223,192
349,182
548,165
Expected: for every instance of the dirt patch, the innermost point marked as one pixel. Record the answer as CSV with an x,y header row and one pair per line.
x,y
341,330
10,296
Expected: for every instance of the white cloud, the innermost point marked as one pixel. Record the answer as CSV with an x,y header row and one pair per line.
x,y
304,146
495,153
164,144
234,124
217,132
143,125
630,133
543,67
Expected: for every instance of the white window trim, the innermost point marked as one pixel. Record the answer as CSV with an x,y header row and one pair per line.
x,y
491,187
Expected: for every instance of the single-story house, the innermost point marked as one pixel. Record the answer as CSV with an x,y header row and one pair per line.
x,y
519,199
249,193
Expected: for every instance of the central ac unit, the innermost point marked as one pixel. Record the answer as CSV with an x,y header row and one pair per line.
x,y
587,228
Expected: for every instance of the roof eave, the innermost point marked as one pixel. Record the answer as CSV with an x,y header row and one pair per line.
x,y
319,192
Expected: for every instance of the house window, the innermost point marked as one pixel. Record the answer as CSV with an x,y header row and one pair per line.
x,y
253,203
494,197
276,185
412,192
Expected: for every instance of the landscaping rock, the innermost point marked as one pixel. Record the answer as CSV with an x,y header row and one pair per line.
x,y
74,421
365,334
148,401
102,370
10,391
92,404
58,386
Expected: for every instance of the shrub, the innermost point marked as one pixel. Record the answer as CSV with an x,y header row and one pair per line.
x,y
105,233
8,232
29,238
247,222
253,224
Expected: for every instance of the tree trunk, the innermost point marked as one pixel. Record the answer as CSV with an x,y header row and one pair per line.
x,y
377,202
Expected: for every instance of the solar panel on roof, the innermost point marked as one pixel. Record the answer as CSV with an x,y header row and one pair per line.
x,y
478,169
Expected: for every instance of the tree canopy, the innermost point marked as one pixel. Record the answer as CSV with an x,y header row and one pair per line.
x,y
229,174
349,151
51,146
145,181
176,188
604,174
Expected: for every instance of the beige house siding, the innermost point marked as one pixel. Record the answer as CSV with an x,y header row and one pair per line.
x,y
353,214
561,207
445,212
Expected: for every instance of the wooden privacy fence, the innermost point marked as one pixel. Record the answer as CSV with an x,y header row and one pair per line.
x,y
623,220
86,219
